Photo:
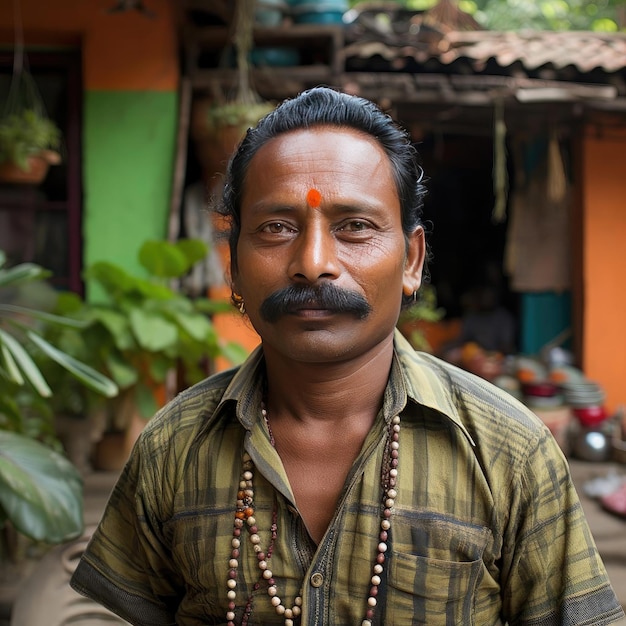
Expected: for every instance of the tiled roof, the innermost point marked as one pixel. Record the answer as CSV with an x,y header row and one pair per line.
x,y
420,37
586,51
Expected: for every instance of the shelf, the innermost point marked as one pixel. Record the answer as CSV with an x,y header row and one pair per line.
x,y
269,82
322,41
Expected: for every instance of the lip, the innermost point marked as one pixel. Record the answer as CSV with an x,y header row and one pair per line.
x,y
310,312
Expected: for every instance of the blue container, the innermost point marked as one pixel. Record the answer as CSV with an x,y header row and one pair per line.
x,y
319,13
275,57
270,12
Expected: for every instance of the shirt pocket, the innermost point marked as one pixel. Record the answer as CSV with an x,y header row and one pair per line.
x,y
434,570
431,591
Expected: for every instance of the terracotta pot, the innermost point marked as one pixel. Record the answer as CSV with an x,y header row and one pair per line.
x,y
114,448
35,174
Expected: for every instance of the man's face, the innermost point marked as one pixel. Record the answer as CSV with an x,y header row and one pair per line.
x,y
320,214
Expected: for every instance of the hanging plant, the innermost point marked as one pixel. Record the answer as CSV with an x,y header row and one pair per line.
x,y
29,139
247,107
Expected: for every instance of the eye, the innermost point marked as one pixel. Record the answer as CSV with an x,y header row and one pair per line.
x,y
275,228
355,226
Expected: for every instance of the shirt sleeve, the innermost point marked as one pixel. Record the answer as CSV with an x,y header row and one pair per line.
x,y
127,566
552,571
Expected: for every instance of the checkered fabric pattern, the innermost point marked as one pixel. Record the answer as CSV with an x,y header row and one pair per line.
x,y
487,528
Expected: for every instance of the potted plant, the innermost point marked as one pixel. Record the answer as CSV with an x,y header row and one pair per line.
x,y
40,490
219,123
29,144
143,332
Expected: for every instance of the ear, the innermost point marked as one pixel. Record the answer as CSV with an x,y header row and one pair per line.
x,y
414,264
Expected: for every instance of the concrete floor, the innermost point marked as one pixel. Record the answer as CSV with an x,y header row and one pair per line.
x,y
609,531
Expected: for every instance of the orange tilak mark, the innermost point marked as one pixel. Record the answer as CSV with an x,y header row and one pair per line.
x,y
313,198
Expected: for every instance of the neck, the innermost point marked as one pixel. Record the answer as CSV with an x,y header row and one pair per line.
x,y
317,392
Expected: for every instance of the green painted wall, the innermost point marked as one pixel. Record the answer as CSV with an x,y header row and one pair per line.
x,y
129,149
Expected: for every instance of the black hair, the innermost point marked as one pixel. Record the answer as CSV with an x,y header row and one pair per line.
x,y
323,106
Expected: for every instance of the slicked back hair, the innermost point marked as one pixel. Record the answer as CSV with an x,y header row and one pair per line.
x,y
319,107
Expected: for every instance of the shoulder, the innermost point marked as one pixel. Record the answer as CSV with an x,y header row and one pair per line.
x,y
495,421
174,428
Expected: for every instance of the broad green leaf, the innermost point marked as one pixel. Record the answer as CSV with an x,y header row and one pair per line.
x,y
124,374
153,333
26,364
194,250
83,372
163,259
149,289
114,279
235,352
116,324
40,490
196,324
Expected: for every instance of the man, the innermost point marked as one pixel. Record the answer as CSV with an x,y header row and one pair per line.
x,y
338,477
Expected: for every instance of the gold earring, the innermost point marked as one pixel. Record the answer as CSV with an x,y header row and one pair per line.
x,y
238,301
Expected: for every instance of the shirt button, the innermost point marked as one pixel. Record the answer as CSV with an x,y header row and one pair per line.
x,y
317,580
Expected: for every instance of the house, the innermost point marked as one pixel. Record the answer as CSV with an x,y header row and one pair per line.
x,y
543,115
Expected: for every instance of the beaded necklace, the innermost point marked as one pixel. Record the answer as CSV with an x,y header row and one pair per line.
x,y
244,518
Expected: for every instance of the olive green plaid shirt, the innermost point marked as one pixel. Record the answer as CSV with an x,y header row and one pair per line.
x,y
487,528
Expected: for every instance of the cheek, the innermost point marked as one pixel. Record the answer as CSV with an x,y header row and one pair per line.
x,y
259,275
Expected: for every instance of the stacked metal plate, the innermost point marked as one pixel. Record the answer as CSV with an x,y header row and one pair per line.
x,y
580,394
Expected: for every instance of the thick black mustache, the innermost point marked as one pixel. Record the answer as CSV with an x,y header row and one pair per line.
x,y
323,296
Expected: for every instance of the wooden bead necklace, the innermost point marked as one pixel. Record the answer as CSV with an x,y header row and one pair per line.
x,y
244,518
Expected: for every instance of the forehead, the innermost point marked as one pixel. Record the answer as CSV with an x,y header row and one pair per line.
x,y
328,159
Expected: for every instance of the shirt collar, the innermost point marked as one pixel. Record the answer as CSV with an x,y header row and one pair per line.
x,y
414,375
427,382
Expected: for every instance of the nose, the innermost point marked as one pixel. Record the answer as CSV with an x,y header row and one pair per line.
x,y
314,255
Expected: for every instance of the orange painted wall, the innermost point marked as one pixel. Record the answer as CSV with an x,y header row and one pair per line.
x,y
604,261
121,51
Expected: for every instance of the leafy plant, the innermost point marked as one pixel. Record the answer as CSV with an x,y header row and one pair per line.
x,y
236,114
144,328
25,134
40,490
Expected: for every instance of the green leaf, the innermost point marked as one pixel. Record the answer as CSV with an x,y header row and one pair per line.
x,y
40,490
234,352
26,364
13,371
22,273
83,372
146,402
116,324
196,324
114,279
43,316
163,259
124,374
194,250
10,411
159,367
211,307
153,333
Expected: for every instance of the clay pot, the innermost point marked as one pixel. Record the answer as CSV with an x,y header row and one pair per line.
x,y
36,172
